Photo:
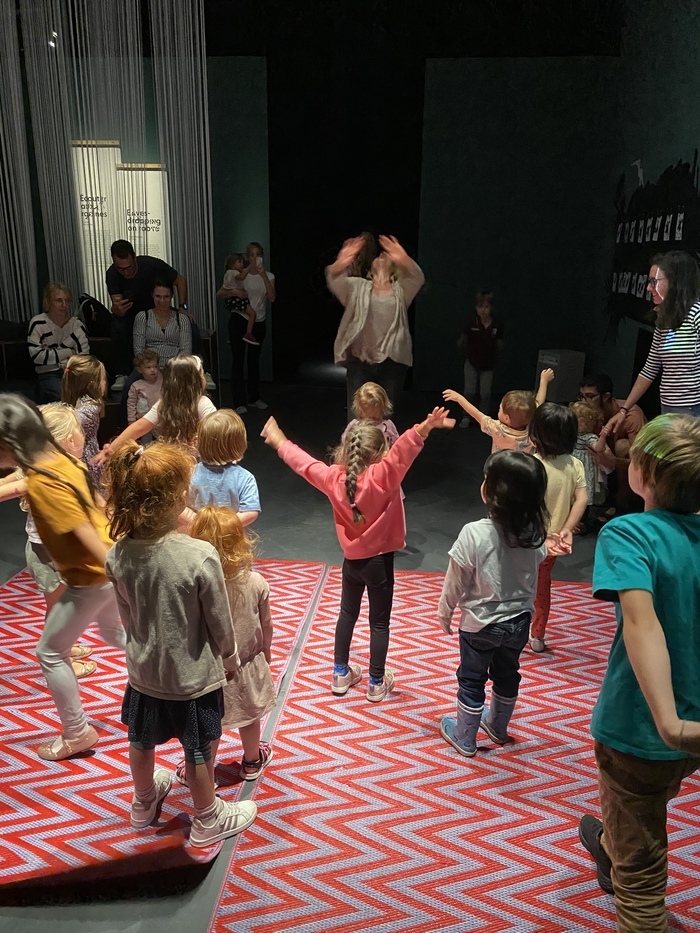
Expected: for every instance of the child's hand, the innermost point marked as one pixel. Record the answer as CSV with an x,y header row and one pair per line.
x,y
445,625
268,655
451,396
557,546
102,456
546,376
438,418
273,434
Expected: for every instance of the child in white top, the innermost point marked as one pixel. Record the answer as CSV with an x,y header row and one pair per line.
x,y
250,693
180,641
371,403
554,431
238,303
492,578
146,391
510,430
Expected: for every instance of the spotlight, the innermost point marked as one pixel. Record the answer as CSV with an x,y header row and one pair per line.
x,y
52,43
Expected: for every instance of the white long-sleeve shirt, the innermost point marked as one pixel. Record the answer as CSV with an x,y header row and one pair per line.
x,y
50,346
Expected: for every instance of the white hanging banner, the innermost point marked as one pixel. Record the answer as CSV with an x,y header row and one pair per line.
x,y
143,194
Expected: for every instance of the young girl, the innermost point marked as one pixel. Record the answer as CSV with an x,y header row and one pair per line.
x,y
250,694
74,532
371,403
146,391
492,577
554,431
84,387
235,264
172,595
364,490
177,415
220,479
595,455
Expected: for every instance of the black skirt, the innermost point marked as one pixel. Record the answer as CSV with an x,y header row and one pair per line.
x,y
153,722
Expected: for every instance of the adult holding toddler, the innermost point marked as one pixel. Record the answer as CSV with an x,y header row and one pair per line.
x,y
373,341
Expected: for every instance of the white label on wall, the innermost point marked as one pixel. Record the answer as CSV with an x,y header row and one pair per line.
x,y
679,225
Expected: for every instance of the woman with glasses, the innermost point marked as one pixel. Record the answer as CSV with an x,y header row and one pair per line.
x,y
674,287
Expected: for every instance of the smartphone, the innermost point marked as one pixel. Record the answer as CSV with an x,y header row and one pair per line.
x,y
258,261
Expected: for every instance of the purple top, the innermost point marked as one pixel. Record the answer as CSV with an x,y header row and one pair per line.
x,y
88,412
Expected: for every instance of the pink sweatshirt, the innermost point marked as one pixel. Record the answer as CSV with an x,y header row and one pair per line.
x,y
378,496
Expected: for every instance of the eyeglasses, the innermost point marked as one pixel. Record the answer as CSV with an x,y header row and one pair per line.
x,y
588,396
654,280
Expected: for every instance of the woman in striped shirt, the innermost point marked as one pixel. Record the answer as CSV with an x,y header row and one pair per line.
x,y
162,329
675,347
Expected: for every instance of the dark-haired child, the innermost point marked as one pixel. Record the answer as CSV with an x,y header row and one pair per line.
x,y
492,577
554,432
480,341
646,723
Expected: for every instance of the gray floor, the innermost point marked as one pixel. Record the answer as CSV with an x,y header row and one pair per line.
x,y
442,493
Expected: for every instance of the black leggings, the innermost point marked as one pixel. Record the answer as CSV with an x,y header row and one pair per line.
x,y
377,575
240,351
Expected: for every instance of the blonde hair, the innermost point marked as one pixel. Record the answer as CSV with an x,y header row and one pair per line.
x,y
144,486
222,438
364,443
84,377
146,356
590,418
51,290
60,418
224,530
371,403
667,453
520,407
183,386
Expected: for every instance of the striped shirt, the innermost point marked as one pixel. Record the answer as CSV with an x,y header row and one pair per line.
x,y
167,342
50,346
676,355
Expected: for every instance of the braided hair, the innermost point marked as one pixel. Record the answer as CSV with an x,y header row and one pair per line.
x,y
364,443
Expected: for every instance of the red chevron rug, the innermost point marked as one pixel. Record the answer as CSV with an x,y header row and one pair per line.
x,y
72,816
368,821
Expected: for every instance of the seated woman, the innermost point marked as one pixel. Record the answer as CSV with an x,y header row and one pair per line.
x,y
373,340
53,338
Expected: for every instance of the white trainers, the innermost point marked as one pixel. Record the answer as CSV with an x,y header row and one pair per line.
x,y
538,645
118,384
377,692
342,682
260,404
230,819
143,812
241,410
211,385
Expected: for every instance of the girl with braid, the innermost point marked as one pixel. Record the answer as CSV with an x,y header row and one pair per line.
x,y
364,488
73,529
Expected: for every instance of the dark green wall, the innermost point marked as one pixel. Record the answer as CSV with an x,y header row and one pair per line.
x,y
239,175
518,174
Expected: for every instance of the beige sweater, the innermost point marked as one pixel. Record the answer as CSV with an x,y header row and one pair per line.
x,y
172,599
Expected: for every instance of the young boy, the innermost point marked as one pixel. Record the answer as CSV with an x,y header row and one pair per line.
x,y
480,341
511,430
646,723
145,392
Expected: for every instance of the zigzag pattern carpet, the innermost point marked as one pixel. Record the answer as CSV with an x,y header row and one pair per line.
x,y
369,821
72,816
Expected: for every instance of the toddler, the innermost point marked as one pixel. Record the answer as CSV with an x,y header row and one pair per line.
x,y
84,386
510,431
492,577
238,303
595,455
146,391
371,403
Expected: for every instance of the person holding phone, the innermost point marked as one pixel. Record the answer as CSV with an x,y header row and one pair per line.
x,y
260,286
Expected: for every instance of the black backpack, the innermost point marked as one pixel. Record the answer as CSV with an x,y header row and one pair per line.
x,y
97,318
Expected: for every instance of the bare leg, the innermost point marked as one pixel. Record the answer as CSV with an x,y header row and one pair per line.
x,y
250,739
200,779
142,763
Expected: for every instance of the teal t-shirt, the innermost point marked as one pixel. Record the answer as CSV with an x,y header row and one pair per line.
x,y
658,552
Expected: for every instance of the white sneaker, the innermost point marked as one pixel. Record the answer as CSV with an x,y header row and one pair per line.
x,y
241,410
377,692
211,385
538,645
230,819
142,812
342,682
260,404
119,384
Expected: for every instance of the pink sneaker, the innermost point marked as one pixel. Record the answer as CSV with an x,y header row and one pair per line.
x,y
248,338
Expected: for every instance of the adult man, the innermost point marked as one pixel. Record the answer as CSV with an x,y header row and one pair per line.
x,y
130,283
52,338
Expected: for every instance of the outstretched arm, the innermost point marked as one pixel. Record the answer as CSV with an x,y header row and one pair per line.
x,y
132,433
546,377
451,396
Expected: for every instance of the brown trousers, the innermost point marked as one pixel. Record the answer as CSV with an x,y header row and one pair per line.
x,y
634,793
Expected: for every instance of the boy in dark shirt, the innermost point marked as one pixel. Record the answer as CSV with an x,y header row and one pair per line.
x,y
480,341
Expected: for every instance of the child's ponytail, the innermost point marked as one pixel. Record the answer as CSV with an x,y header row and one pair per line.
x,y
364,443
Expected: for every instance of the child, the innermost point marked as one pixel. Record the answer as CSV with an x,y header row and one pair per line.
x,y
220,479
554,431
238,303
492,577
177,414
364,490
595,455
646,723
84,387
250,693
172,595
510,431
371,403
480,341
146,391
74,532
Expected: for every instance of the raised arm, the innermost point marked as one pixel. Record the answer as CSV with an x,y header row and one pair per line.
x,y
412,278
546,377
336,277
451,396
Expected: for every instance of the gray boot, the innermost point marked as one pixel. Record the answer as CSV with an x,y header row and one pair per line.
x,y
495,718
461,732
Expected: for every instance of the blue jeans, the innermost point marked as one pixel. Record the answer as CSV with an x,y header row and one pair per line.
x,y
49,387
681,410
493,652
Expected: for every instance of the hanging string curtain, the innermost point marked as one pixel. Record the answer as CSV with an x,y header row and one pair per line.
x,y
18,274
179,64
